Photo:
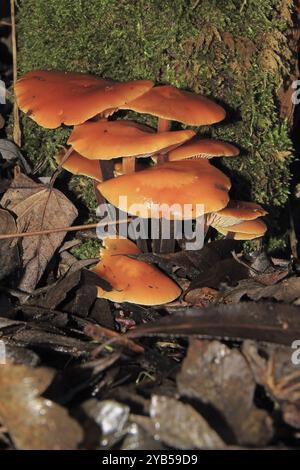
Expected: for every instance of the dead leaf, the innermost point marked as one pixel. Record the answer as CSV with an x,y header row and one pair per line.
x,y
11,153
287,291
225,271
2,121
202,297
179,425
274,369
221,377
192,264
37,209
34,422
9,254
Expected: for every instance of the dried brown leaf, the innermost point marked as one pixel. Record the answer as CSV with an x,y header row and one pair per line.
x,y
37,208
8,248
221,377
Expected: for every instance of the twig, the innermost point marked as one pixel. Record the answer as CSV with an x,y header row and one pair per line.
x,y
16,129
74,228
293,236
5,23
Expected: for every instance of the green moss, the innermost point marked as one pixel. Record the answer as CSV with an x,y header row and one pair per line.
x,y
87,250
235,51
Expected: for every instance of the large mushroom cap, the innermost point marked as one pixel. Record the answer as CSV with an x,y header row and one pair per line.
x,y
168,102
52,98
203,148
105,140
235,213
244,231
132,280
173,184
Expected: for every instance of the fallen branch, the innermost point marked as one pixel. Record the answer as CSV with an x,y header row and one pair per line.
x,y
16,128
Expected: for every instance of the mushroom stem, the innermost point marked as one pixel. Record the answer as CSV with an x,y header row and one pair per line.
x,y
107,169
161,245
168,245
163,125
128,165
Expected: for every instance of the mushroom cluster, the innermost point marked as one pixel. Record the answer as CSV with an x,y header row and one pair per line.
x,y
120,156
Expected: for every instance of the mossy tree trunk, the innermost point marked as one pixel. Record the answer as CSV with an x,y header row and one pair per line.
x,y
235,51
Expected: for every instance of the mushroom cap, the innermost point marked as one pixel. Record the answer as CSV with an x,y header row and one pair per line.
x,y
132,280
104,140
203,148
79,165
245,230
235,213
168,102
52,98
173,184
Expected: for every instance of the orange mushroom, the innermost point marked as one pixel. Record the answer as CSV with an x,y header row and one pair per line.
x,y
171,104
79,165
173,184
132,280
104,140
203,148
52,98
247,230
236,212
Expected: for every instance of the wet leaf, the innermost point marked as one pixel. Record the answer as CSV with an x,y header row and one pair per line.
x,y
37,209
221,377
34,422
138,439
110,416
9,254
179,425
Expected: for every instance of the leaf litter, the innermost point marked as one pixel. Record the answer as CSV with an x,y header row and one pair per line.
x,y
211,370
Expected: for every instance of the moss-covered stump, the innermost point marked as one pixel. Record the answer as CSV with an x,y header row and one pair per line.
x,y
233,50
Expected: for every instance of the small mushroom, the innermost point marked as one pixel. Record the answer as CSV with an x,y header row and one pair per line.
x,y
79,165
247,230
52,98
203,148
235,213
104,140
132,280
173,184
